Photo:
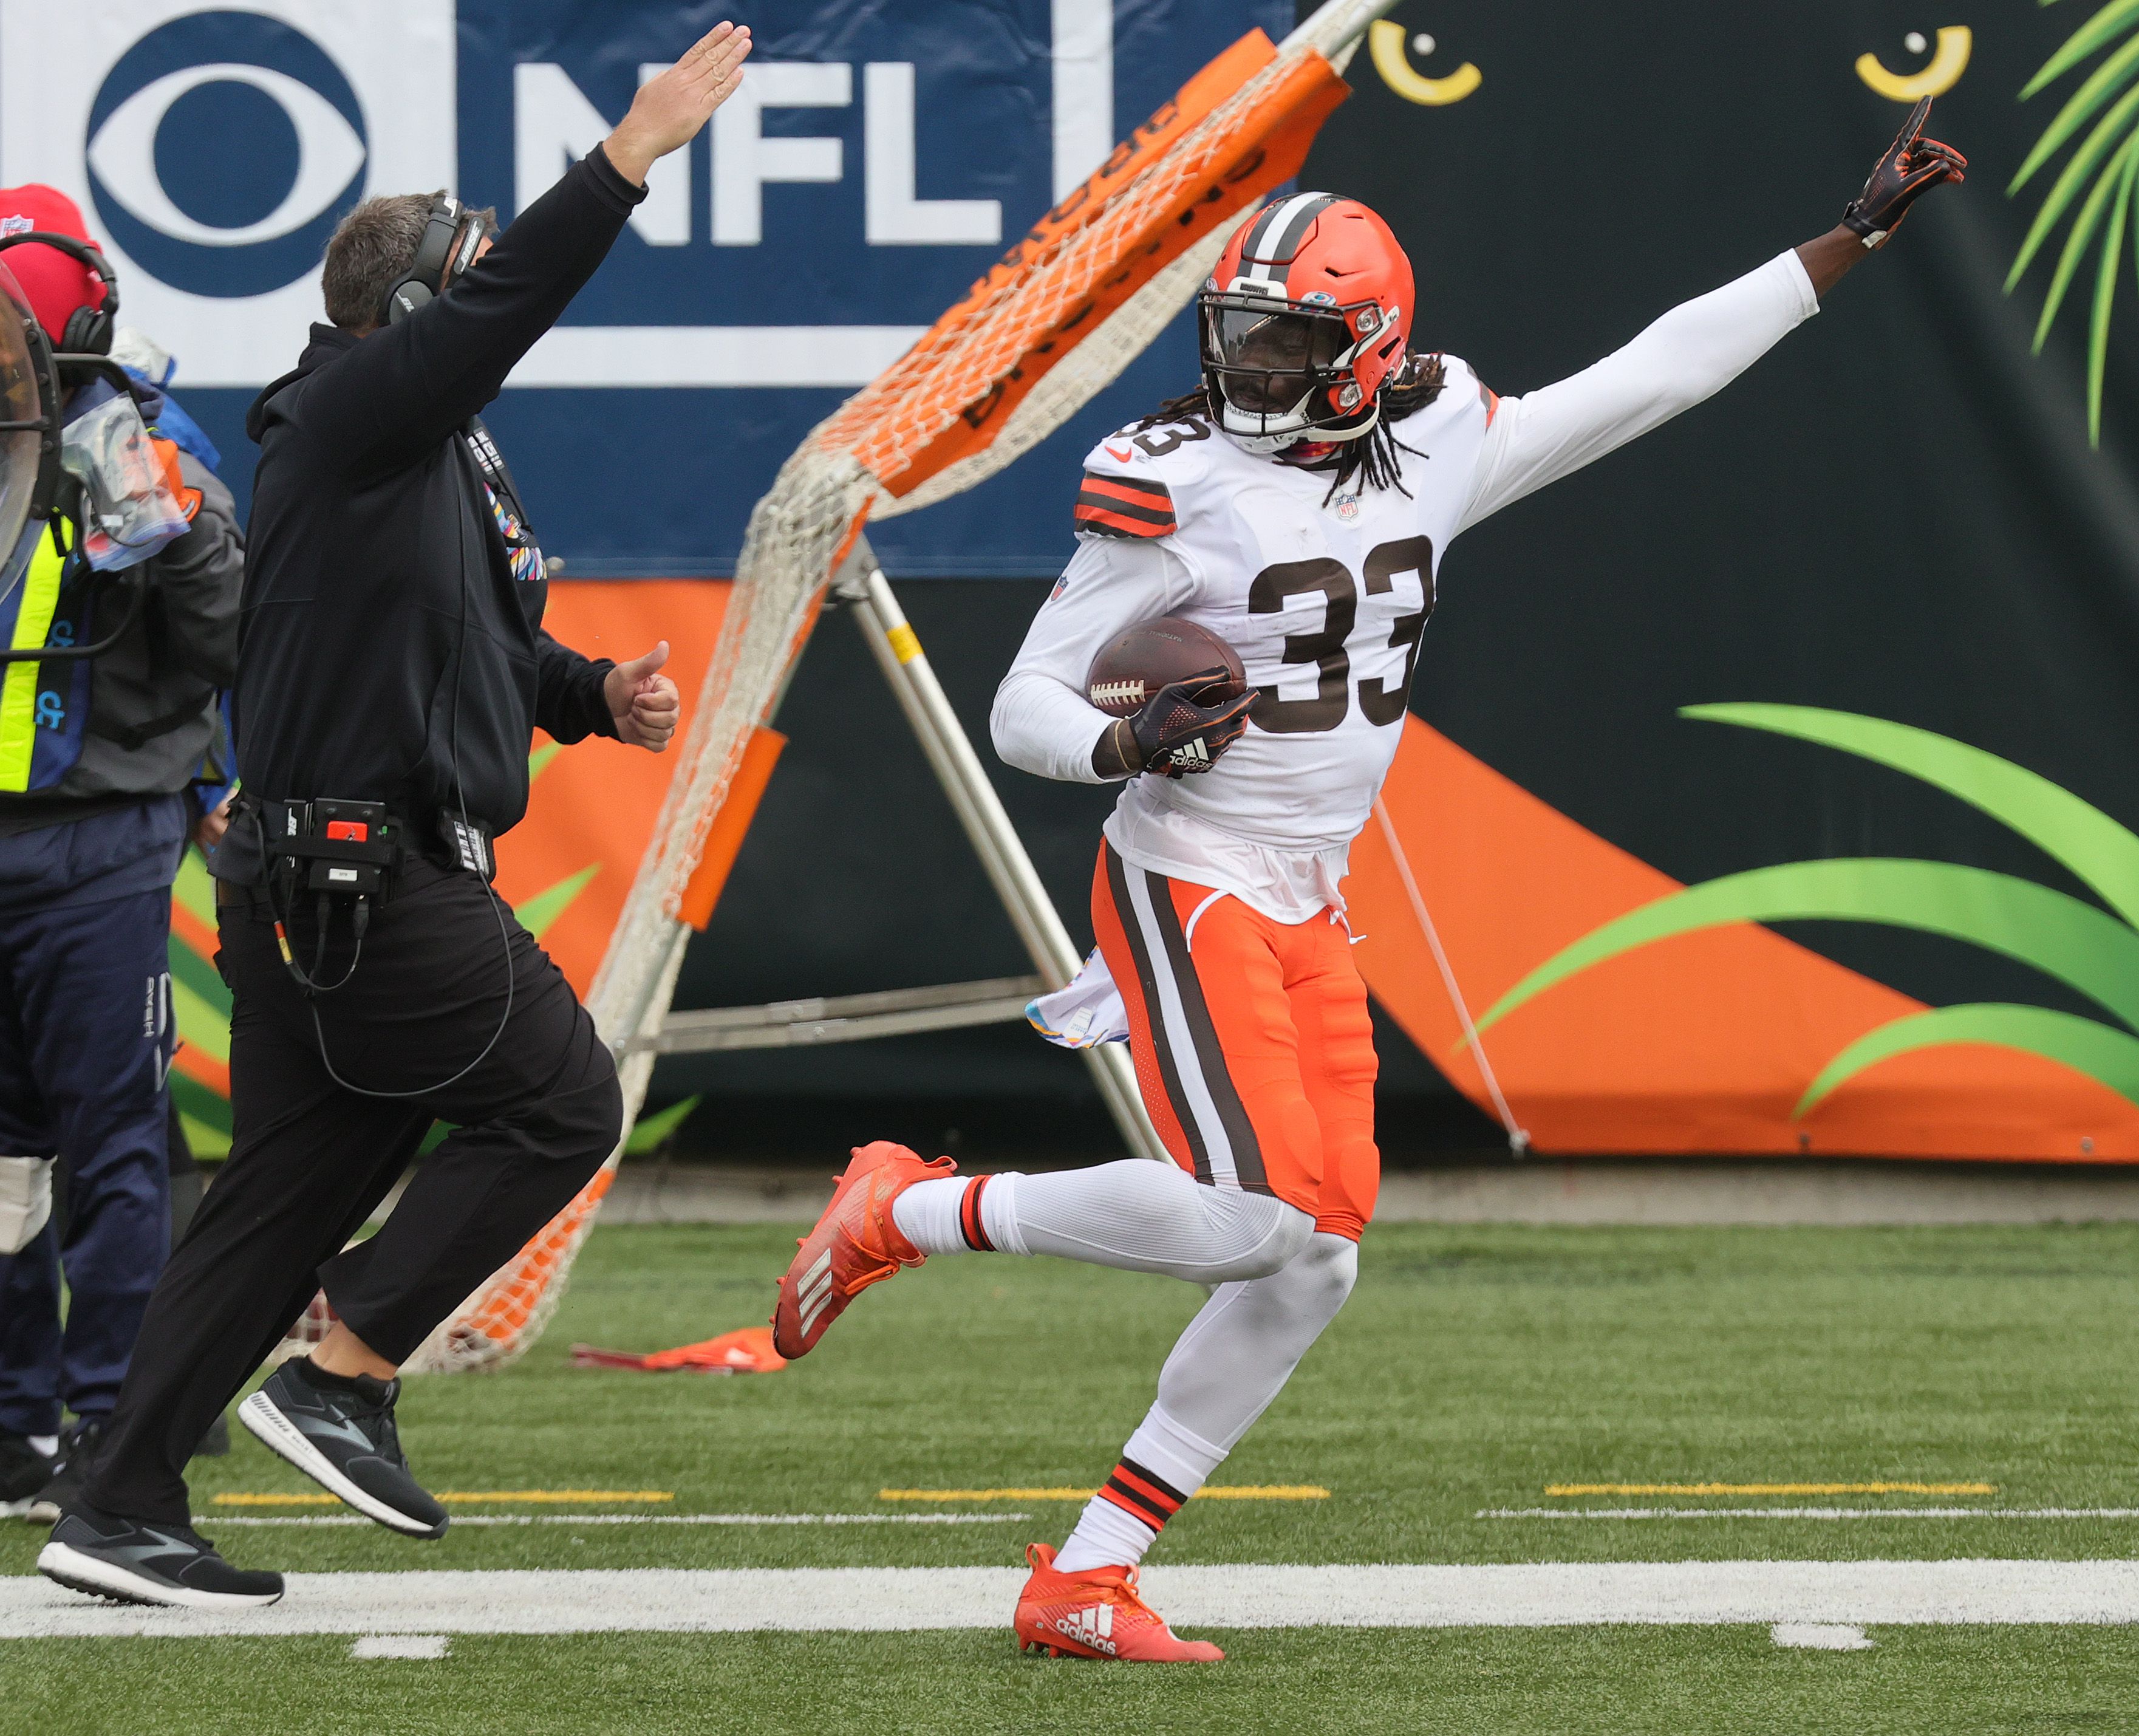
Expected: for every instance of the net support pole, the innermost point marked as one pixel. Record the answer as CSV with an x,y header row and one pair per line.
x,y
905,666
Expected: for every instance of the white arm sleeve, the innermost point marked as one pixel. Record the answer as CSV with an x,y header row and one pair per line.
x,y
1688,355
1042,721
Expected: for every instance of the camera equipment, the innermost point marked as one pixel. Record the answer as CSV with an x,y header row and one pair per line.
x,y
435,252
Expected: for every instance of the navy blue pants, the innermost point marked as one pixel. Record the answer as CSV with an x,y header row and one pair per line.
x,y
85,1041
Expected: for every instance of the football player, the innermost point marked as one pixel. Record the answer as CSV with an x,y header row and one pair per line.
x,y
1297,505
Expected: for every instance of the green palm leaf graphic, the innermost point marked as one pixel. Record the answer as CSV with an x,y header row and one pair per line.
x,y
2102,1052
2106,165
2088,158
2101,28
2055,932
2106,186
2105,294
2101,854
2106,81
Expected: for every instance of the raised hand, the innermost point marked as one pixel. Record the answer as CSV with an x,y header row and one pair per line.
x,y
669,110
642,700
1911,167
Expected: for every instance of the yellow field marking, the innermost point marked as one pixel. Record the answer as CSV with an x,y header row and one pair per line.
x,y
542,1495
1223,1491
1771,1489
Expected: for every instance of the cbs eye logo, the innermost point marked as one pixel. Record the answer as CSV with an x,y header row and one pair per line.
x,y
222,149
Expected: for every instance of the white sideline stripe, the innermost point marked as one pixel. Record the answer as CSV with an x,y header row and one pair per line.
x,y
415,1645
223,1522
1807,1513
1809,1635
907,1599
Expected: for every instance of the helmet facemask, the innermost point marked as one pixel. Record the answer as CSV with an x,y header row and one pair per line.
x,y
1279,372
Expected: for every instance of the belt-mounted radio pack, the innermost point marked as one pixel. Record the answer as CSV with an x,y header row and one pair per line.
x,y
344,849
338,851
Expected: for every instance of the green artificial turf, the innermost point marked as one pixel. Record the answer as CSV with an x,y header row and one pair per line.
x,y
1474,1367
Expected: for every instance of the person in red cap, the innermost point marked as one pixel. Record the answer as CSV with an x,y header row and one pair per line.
x,y
56,285
91,840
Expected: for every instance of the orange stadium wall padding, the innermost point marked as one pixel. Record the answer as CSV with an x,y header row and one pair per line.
x,y
566,867
1700,1043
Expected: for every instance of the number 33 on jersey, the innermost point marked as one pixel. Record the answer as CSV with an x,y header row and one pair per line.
x,y
1324,595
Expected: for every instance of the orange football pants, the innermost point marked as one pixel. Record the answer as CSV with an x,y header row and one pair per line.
x,y
1253,1047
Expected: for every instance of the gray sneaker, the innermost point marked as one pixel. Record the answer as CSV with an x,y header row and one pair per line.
x,y
345,1441
137,1561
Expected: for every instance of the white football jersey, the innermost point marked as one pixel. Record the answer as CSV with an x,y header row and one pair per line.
x,y
1323,595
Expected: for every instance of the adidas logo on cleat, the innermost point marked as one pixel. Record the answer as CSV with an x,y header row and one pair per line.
x,y
815,1290
1092,1627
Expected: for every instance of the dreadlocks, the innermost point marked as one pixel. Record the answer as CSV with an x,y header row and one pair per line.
x,y
1373,458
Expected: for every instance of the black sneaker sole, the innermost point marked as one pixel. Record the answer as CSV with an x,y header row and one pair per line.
x,y
80,1571
283,1438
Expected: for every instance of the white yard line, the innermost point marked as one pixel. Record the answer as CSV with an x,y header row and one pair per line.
x,y
223,1521
915,1599
1807,1513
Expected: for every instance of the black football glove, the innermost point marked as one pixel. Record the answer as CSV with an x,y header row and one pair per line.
x,y
1911,167
1175,737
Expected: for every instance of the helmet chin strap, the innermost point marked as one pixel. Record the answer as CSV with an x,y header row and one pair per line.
x,y
1306,445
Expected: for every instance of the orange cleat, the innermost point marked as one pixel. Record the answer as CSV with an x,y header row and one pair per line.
x,y
855,1244
1098,1614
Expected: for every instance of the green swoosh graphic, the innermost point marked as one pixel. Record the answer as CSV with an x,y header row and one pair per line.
x,y
546,906
2103,854
2107,1055
2052,931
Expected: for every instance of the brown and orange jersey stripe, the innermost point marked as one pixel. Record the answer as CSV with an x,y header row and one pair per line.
x,y
1121,505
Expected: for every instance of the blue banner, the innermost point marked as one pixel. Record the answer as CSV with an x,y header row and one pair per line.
x,y
877,159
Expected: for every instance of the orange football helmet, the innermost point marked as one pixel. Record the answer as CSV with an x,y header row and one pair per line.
x,y
1307,314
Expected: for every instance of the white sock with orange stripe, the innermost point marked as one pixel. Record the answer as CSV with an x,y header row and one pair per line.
x,y
1162,1465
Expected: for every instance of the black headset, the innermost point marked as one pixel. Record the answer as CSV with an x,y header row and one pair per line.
x,y
88,329
85,344
426,278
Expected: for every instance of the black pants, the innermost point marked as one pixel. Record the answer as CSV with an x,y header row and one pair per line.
x,y
309,1161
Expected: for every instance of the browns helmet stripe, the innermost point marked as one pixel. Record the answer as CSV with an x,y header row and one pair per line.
x,y
1279,231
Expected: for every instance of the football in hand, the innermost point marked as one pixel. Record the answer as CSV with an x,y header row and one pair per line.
x,y
1147,658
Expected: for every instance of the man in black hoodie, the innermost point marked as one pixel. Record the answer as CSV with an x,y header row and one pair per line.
x,y
391,653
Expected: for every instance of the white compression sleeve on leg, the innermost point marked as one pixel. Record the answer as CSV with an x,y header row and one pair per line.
x,y
1232,1362
1244,1343
1139,1216
1132,1215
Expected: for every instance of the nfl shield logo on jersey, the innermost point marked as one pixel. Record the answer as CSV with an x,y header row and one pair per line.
x,y
1346,506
